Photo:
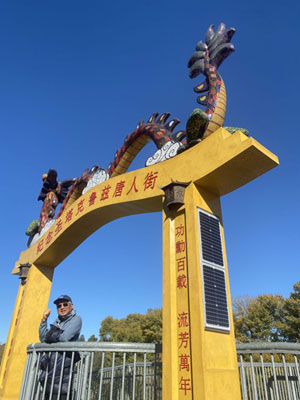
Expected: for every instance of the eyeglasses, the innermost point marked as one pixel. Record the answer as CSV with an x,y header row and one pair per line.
x,y
60,305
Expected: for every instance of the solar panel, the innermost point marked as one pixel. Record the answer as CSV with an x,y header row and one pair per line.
x,y
216,309
213,273
211,239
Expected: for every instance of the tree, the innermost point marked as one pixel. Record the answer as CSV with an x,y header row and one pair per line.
x,y
260,319
240,307
92,338
1,350
81,338
138,328
292,312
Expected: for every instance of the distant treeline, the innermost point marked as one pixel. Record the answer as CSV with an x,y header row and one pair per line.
x,y
268,317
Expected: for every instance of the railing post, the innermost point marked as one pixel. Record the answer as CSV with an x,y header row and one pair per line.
x,y
31,376
85,377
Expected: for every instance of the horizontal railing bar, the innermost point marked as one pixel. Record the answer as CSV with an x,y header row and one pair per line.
x,y
94,346
258,347
266,364
255,351
140,364
242,348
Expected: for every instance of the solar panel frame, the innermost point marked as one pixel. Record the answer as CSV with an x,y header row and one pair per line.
x,y
215,298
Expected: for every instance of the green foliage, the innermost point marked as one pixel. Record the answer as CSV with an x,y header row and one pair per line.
x,y
81,338
261,319
137,328
92,338
268,317
292,311
1,350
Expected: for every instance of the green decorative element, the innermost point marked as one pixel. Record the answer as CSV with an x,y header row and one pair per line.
x,y
232,129
196,125
33,227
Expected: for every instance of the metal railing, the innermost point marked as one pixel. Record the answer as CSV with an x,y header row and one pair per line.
x,y
269,371
92,371
123,371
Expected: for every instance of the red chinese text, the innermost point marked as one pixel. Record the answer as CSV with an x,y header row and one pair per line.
x,y
183,337
133,186
69,215
181,281
180,246
183,319
119,188
92,198
179,230
184,360
80,206
40,246
58,227
105,192
185,385
180,264
49,237
150,180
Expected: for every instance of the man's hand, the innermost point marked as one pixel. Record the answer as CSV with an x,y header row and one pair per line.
x,y
46,315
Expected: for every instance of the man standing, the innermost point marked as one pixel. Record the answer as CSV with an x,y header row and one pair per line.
x,y
67,321
66,328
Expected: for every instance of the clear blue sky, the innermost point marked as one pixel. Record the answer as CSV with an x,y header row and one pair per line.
x,y
77,76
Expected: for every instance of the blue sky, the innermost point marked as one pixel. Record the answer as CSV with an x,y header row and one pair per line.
x,y
76,77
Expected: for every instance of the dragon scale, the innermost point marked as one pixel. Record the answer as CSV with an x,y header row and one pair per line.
x,y
216,105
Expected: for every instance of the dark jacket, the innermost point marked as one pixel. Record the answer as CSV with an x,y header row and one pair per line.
x,y
62,330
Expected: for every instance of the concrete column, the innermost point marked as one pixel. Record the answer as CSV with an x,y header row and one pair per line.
x,y
197,363
32,300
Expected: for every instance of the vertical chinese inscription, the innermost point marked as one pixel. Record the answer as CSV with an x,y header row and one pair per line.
x,y
183,320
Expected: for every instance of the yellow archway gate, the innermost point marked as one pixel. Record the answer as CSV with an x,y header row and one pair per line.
x,y
199,356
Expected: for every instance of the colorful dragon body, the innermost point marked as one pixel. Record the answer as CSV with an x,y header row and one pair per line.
x,y
156,129
205,60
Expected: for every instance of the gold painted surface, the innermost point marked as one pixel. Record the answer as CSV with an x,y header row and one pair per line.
x,y
214,362
169,311
219,164
184,364
31,302
216,166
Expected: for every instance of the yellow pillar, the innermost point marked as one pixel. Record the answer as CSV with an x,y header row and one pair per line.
x,y
203,362
32,297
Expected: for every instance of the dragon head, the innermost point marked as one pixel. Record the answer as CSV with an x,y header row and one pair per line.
x,y
217,47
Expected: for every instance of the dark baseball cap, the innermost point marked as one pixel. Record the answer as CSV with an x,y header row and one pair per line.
x,y
62,298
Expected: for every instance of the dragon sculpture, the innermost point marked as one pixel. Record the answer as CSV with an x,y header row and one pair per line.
x,y
212,94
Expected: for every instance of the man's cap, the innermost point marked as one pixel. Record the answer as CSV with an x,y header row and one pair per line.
x,y
62,298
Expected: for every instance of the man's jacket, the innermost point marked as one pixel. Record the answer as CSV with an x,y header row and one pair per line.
x,y
70,327
62,330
